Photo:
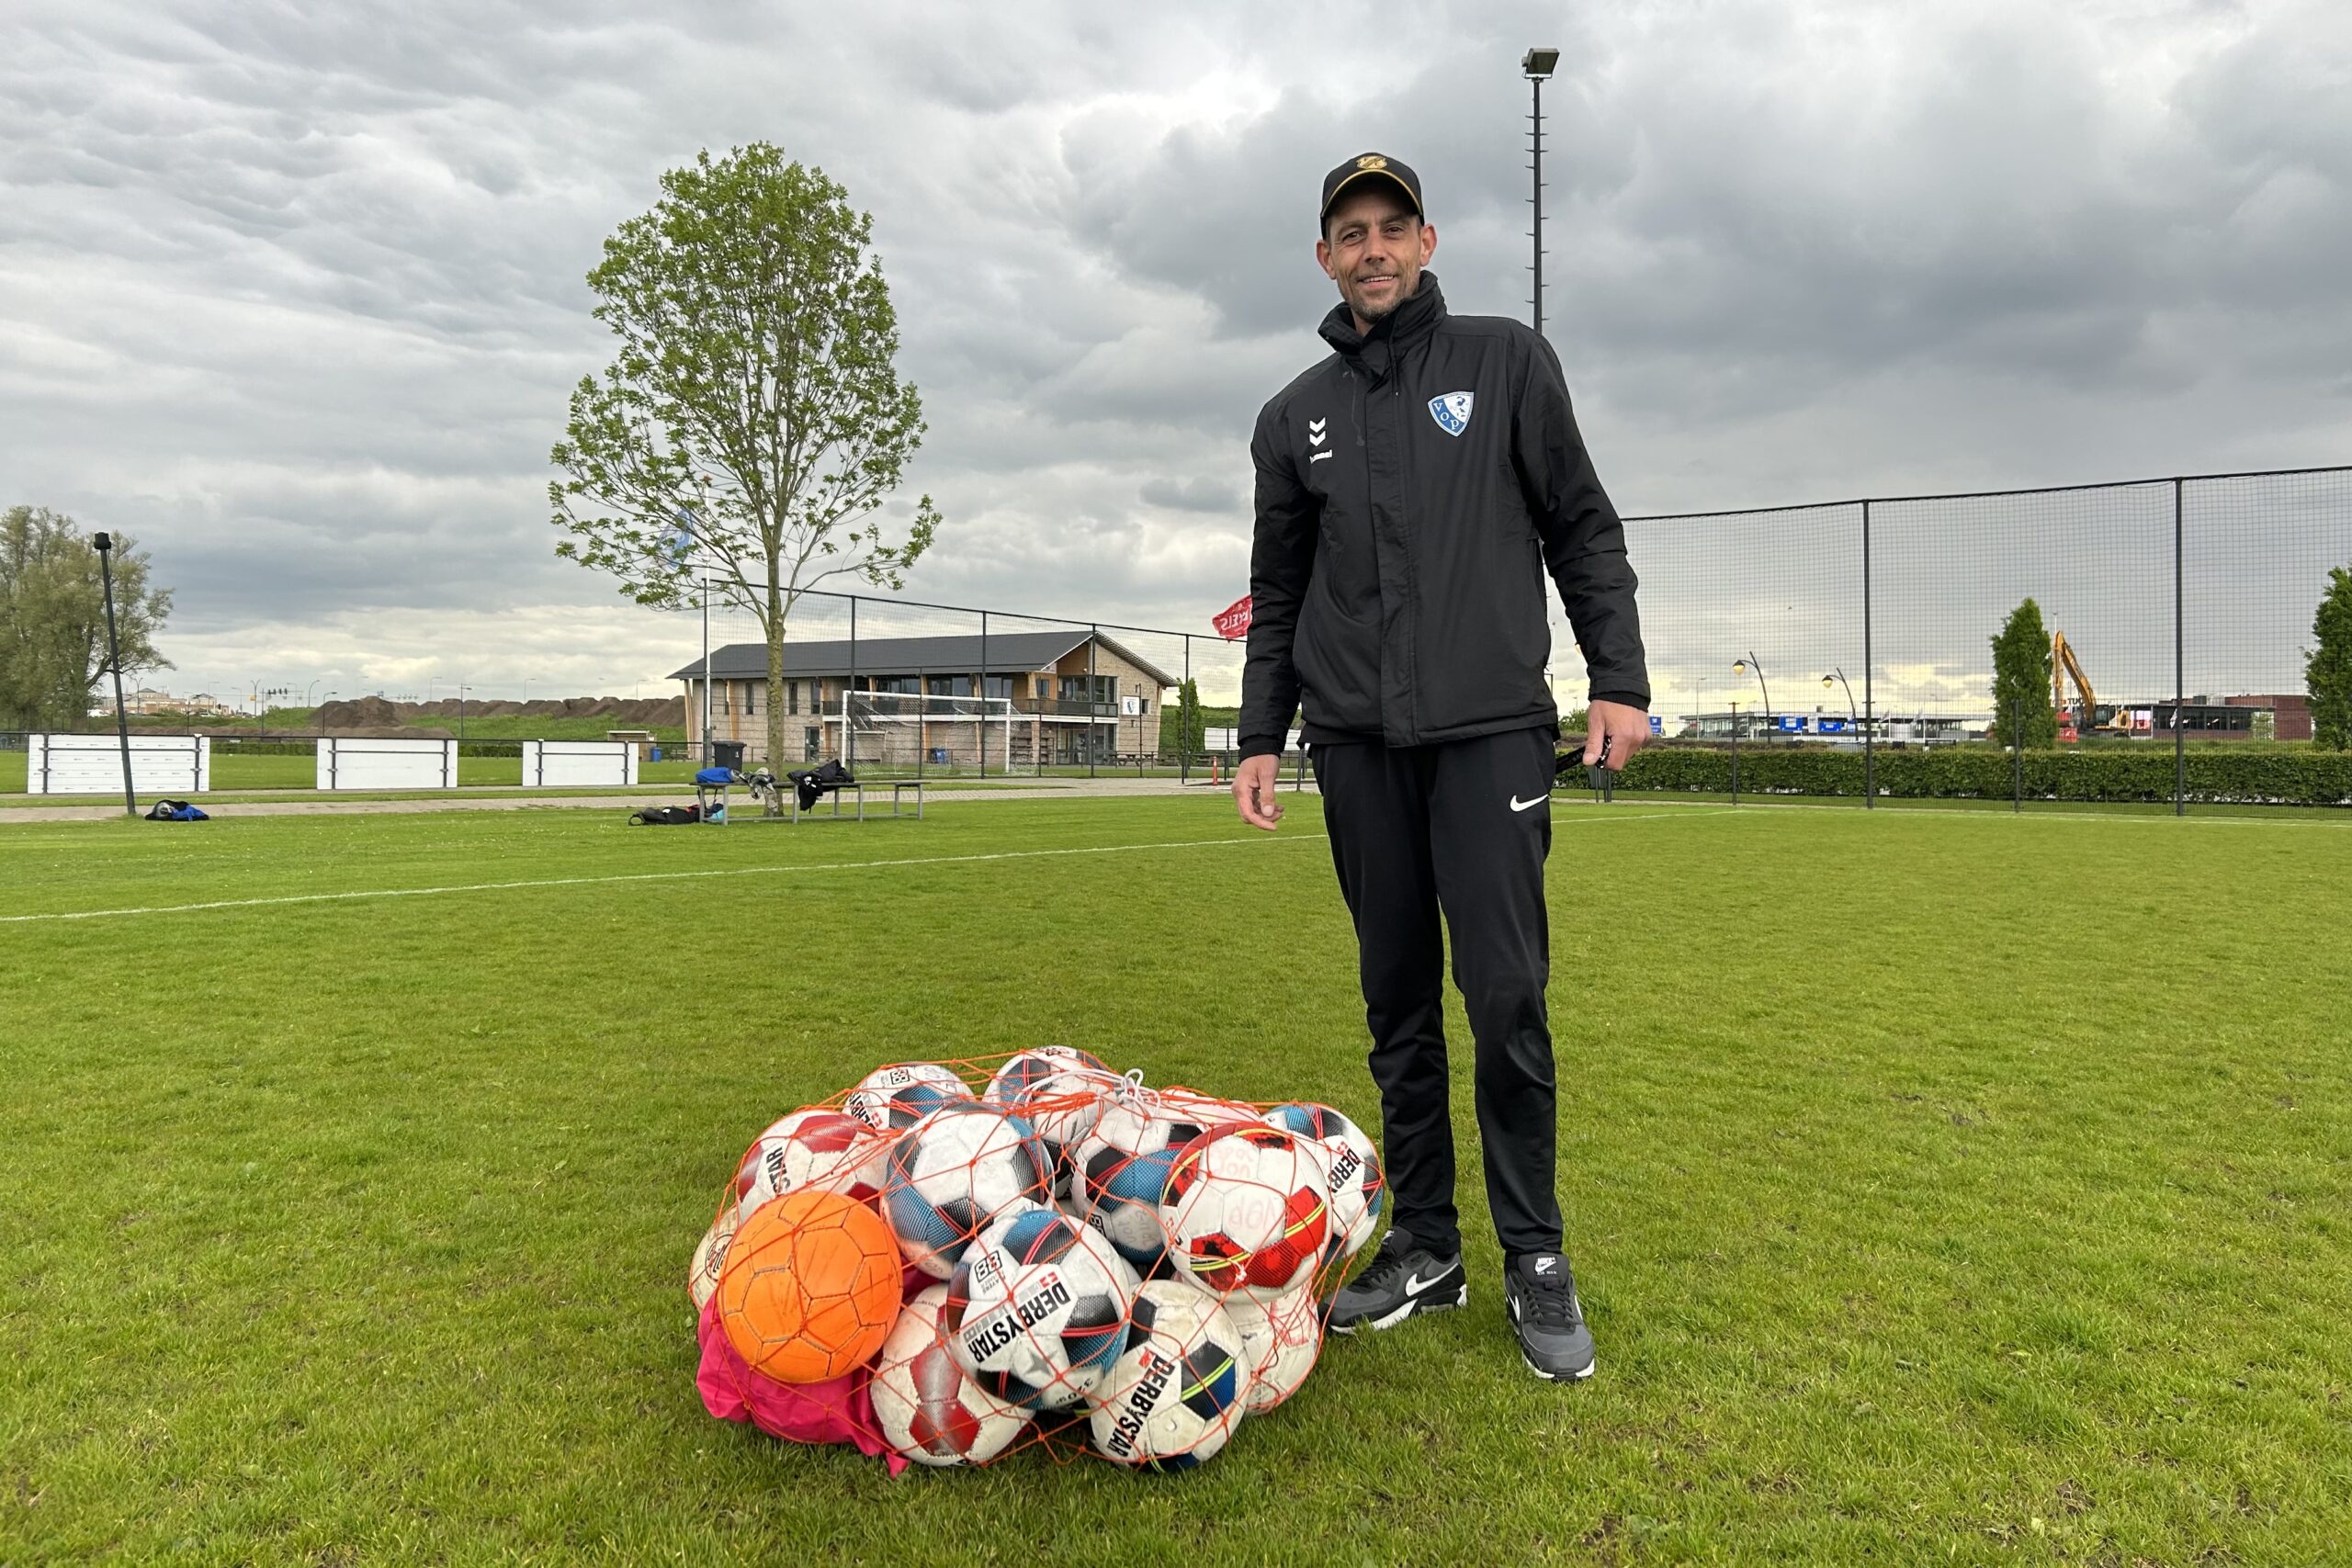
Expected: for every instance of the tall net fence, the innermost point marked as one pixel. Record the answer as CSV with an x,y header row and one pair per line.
x,y
2175,619
1831,650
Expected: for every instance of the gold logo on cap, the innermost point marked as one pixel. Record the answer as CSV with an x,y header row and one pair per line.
x,y
1371,161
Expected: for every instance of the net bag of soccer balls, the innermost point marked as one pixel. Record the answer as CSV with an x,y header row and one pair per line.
x,y
955,1260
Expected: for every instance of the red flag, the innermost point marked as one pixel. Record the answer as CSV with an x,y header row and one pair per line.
x,y
1233,621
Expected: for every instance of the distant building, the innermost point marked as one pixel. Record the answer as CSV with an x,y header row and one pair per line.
x,y
2290,714
1073,695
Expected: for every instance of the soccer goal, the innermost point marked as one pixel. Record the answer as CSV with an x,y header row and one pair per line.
x,y
911,735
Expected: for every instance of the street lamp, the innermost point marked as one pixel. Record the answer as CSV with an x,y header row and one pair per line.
x,y
1831,681
105,543
317,725
1538,64
1741,666
462,690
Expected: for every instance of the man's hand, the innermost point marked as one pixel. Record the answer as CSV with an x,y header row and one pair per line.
x,y
1624,728
1253,790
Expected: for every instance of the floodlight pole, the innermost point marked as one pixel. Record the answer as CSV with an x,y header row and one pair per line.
x,y
104,542
1538,63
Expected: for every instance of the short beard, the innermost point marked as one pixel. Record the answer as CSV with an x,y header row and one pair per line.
x,y
1372,312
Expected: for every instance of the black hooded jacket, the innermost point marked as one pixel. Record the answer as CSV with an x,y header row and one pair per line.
x,y
1412,492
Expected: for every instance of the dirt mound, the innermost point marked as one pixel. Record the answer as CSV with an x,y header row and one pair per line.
x,y
359,713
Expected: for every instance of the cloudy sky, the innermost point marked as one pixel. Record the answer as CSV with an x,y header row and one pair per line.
x,y
294,294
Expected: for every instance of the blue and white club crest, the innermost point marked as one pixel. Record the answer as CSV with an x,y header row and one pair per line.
x,y
1452,412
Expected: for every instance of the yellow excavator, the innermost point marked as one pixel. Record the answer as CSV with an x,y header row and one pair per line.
x,y
2063,664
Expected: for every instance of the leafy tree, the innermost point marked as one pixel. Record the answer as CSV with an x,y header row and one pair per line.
x,y
2327,669
1191,738
2021,681
753,399
53,618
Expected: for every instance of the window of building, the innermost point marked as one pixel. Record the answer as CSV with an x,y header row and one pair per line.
x,y
997,686
949,685
751,698
910,684
792,696
1041,688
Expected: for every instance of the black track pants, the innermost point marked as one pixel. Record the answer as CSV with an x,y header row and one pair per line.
x,y
1461,828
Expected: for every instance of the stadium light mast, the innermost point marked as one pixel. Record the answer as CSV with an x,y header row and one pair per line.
x,y
105,543
1538,64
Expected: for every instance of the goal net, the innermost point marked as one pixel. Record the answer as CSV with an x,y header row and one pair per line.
x,y
904,734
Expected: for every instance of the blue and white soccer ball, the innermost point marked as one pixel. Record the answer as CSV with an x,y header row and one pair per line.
x,y
1037,1310
927,1406
1120,1166
1180,1387
1119,1195
953,1174
897,1096
1359,1187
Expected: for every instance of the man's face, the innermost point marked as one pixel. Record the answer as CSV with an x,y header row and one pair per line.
x,y
1373,247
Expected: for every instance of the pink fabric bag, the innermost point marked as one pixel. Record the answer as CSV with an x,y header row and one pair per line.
x,y
838,1411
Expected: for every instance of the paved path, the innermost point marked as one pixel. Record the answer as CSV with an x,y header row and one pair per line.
x,y
877,801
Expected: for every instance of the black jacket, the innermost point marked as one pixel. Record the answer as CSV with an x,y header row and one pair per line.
x,y
1403,534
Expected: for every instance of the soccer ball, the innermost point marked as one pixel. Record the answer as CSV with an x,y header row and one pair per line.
x,y
815,1147
811,1286
1245,1209
1011,1083
1359,1190
1120,1167
1119,1195
928,1406
951,1175
1061,1090
710,1256
1037,1311
902,1094
1179,1388
1280,1340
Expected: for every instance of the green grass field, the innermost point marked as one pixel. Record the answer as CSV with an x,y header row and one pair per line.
x,y
1944,1187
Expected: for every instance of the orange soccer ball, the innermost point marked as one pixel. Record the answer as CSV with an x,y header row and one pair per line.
x,y
811,1286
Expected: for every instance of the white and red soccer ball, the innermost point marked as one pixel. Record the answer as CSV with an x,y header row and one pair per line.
x,y
927,1405
813,1147
1245,1209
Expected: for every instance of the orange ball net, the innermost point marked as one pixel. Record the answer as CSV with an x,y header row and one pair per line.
x,y
949,1262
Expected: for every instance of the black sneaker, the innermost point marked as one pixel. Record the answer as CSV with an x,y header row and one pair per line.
x,y
1403,1278
1539,1294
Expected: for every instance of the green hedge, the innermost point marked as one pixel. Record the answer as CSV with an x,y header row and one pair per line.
x,y
2284,776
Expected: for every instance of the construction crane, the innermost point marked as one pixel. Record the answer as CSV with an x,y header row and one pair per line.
x,y
2063,664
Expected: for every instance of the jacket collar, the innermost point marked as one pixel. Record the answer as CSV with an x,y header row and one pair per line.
x,y
1377,350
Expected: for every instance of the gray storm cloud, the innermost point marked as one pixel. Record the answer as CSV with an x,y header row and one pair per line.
x,y
296,299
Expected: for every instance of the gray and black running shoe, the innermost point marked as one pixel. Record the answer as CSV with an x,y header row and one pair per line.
x,y
1403,1278
1539,1293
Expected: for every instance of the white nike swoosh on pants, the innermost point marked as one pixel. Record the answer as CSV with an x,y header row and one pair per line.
x,y
1518,805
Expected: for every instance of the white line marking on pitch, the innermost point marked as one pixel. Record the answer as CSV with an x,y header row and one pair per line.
x,y
687,875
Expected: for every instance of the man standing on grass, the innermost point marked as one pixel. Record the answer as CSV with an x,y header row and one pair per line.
x,y
1412,492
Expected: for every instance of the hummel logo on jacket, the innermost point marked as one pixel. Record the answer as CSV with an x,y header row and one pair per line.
x,y
1413,491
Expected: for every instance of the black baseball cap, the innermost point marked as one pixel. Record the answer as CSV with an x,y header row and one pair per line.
x,y
1372,167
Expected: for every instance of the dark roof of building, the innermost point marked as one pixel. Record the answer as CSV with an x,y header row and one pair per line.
x,y
1009,653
